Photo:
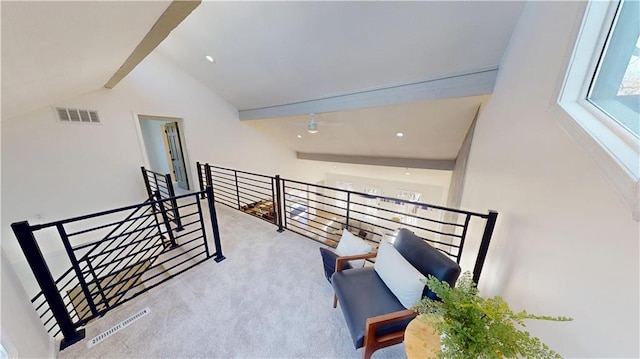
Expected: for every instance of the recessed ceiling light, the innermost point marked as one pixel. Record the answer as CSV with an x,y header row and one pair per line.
x,y
210,59
407,173
399,134
299,136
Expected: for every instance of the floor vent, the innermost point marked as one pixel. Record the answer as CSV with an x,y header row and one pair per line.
x,y
109,332
75,115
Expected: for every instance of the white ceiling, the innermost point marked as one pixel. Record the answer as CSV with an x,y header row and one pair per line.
x,y
52,51
432,129
279,53
270,54
274,53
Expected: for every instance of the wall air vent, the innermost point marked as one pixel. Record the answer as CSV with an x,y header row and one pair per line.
x,y
77,116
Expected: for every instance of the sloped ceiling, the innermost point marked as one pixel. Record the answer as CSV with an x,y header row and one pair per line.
x,y
278,61
54,50
302,57
274,53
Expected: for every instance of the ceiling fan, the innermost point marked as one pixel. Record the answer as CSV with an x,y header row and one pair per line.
x,y
312,125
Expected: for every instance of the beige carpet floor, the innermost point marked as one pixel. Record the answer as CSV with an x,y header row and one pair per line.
x,y
268,299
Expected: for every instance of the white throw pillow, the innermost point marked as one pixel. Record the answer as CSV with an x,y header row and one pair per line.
x,y
351,245
403,279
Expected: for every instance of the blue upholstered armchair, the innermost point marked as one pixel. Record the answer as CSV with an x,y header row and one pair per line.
x,y
376,316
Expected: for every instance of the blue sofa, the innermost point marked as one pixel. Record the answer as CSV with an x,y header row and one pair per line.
x,y
375,317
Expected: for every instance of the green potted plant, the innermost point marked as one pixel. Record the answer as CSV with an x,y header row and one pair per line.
x,y
473,327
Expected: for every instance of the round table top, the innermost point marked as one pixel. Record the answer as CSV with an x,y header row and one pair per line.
x,y
421,340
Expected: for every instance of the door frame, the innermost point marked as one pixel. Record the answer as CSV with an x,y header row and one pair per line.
x,y
189,168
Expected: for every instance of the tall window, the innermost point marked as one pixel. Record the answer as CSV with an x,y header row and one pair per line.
x,y
615,89
601,94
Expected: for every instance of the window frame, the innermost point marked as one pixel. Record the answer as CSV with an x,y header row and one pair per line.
x,y
615,149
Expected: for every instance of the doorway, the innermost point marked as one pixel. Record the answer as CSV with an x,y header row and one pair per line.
x,y
164,145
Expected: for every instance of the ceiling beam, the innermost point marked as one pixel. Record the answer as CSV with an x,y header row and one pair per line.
x,y
175,13
471,83
445,165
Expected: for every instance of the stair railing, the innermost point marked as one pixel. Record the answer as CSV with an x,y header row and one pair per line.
x,y
137,253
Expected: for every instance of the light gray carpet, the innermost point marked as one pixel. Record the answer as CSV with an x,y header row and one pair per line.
x,y
268,299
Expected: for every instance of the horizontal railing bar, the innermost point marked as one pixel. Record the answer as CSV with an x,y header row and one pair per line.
x,y
185,205
411,215
226,197
259,179
111,211
217,187
244,189
138,229
366,195
121,257
313,239
217,191
324,203
153,172
254,185
377,208
109,285
238,171
129,244
407,224
132,247
312,220
220,177
184,225
188,233
256,198
226,204
110,224
313,230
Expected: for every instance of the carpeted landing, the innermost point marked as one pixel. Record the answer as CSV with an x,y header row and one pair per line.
x,y
268,299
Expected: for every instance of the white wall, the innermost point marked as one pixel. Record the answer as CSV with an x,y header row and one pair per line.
x,y
152,133
22,332
565,244
53,170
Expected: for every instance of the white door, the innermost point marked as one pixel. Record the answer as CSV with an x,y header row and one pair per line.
x,y
175,151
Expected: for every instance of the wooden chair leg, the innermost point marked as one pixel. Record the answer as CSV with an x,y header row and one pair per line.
x,y
335,300
367,352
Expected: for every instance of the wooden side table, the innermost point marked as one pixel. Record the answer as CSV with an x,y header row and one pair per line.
x,y
421,340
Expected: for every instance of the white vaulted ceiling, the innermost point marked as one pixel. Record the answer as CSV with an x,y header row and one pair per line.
x,y
277,61
53,50
274,53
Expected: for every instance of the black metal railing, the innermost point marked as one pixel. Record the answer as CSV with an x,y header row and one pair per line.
x,y
321,213
162,183
110,260
251,193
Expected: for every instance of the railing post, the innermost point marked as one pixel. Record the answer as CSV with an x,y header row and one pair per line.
x,y
174,203
346,225
278,204
146,181
165,219
200,179
484,245
235,173
209,178
40,270
214,225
